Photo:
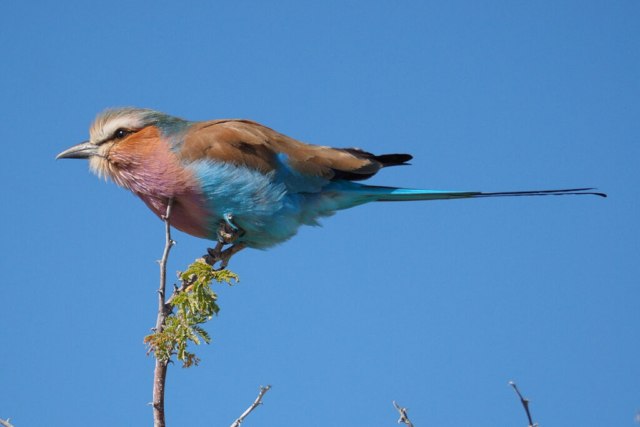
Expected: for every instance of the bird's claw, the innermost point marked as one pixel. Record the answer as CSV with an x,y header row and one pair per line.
x,y
217,254
228,233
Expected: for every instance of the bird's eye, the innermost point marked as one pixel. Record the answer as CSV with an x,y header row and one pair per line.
x,y
120,133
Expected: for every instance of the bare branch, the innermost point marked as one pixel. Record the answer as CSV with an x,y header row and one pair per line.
x,y
403,415
6,423
160,372
525,403
253,406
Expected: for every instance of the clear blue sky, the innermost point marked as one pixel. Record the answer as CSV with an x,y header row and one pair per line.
x,y
437,305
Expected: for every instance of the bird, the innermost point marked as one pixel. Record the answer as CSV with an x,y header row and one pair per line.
x,y
240,183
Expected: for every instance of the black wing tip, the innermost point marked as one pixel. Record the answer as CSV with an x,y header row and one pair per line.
x,y
393,159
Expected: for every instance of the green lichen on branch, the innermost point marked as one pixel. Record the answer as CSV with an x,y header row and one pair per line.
x,y
194,305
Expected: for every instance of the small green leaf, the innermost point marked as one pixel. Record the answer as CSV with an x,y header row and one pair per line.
x,y
193,308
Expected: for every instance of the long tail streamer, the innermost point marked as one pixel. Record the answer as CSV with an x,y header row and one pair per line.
x,y
573,191
388,194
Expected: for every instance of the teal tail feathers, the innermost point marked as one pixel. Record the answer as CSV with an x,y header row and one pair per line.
x,y
390,194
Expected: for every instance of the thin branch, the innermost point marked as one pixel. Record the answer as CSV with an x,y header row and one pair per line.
x,y
253,406
403,415
160,372
6,423
525,403
163,268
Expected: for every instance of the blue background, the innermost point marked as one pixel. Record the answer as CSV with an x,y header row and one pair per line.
x,y
436,305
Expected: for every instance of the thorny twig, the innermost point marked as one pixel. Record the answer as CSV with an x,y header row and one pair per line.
x,y
403,415
525,403
160,372
253,406
165,308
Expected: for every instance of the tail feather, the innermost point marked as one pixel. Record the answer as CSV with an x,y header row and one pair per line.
x,y
390,194
574,191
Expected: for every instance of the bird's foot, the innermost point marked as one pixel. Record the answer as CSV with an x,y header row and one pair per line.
x,y
217,254
228,233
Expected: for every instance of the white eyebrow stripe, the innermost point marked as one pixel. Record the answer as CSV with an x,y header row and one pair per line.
x,y
103,130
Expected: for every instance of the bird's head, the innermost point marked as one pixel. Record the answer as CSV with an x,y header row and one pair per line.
x,y
124,139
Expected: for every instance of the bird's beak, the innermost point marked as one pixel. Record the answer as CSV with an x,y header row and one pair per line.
x,y
84,150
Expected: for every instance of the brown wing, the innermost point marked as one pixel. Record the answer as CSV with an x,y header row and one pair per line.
x,y
247,143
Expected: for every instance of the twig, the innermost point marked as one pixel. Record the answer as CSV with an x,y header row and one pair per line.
x,y
160,372
403,415
178,290
525,403
253,406
6,423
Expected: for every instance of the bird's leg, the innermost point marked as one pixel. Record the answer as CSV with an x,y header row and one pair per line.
x,y
228,232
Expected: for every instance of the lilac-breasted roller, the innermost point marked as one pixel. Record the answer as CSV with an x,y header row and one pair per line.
x,y
239,182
